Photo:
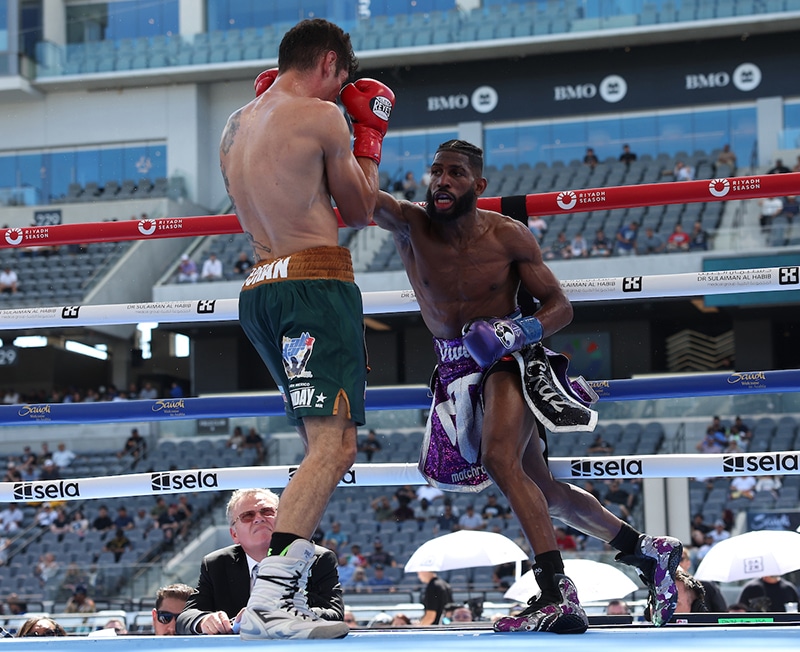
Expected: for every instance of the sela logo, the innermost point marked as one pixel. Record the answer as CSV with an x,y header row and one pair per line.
x,y
46,490
349,477
483,99
13,236
767,462
171,481
611,89
719,187
788,275
381,107
566,200
746,77
610,468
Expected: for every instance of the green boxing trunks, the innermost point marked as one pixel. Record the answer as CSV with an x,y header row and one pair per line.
x,y
303,313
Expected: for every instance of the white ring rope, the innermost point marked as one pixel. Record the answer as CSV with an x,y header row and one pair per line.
x,y
766,279
375,475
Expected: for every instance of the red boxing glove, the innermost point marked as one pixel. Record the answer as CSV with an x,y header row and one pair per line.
x,y
369,104
264,80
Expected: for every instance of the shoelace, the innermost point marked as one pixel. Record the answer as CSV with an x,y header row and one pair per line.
x,y
291,586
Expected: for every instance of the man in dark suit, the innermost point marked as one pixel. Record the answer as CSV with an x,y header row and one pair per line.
x,y
226,574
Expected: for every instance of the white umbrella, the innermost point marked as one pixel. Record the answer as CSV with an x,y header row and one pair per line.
x,y
593,579
464,549
751,555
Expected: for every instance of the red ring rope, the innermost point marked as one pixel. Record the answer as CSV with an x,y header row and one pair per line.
x,y
547,203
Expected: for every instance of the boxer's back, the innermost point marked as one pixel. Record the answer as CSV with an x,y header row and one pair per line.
x,y
272,159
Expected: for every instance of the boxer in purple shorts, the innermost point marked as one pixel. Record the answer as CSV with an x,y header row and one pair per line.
x,y
496,380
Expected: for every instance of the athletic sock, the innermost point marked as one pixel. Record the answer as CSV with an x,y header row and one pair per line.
x,y
626,540
545,568
280,541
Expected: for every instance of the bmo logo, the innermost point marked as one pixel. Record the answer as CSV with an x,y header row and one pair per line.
x,y
483,99
746,77
611,89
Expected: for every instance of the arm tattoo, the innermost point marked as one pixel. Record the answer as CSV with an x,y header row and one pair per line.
x,y
230,132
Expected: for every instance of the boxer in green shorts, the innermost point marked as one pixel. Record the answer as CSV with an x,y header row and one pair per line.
x,y
315,361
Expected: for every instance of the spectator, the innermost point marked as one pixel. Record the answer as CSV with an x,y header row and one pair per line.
x,y
236,440
425,179
698,238
435,599
379,583
40,626
768,593
223,588
382,509
79,524
11,519
170,525
187,270
558,250
254,441
741,431
370,445
46,516
118,544
579,248
564,540
771,207
15,606
8,280
424,512
791,208
102,522
242,266
699,528
404,496
601,245
212,268
627,157
719,533
715,441
617,608
79,603
143,522
461,614
356,558
61,525
170,601
336,539
727,157
618,501
493,509
184,514
713,597
651,243
590,158
379,556
63,457
778,168
537,226
429,492
626,239
350,619
599,446
678,239
175,390
357,582
135,446
743,486
49,470
148,393
447,521
683,172
119,627
471,520
691,594
769,483
409,186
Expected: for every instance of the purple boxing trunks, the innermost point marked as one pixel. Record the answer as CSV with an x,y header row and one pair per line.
x,y
450,458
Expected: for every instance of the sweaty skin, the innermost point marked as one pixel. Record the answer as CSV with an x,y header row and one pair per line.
x,y
285,154
465,263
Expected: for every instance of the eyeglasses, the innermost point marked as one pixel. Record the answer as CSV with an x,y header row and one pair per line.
x,y
250,515
165,617
43,632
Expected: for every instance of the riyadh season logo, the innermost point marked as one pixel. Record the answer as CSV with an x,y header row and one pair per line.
x,y
719,187
147,227
566,200
14,236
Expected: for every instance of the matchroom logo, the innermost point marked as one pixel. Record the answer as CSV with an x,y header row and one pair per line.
x,y
625,466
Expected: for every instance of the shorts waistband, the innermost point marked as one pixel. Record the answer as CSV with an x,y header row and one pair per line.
x,y
329,263
450,350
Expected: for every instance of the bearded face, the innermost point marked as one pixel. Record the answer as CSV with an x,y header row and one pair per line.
x,y
443,206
